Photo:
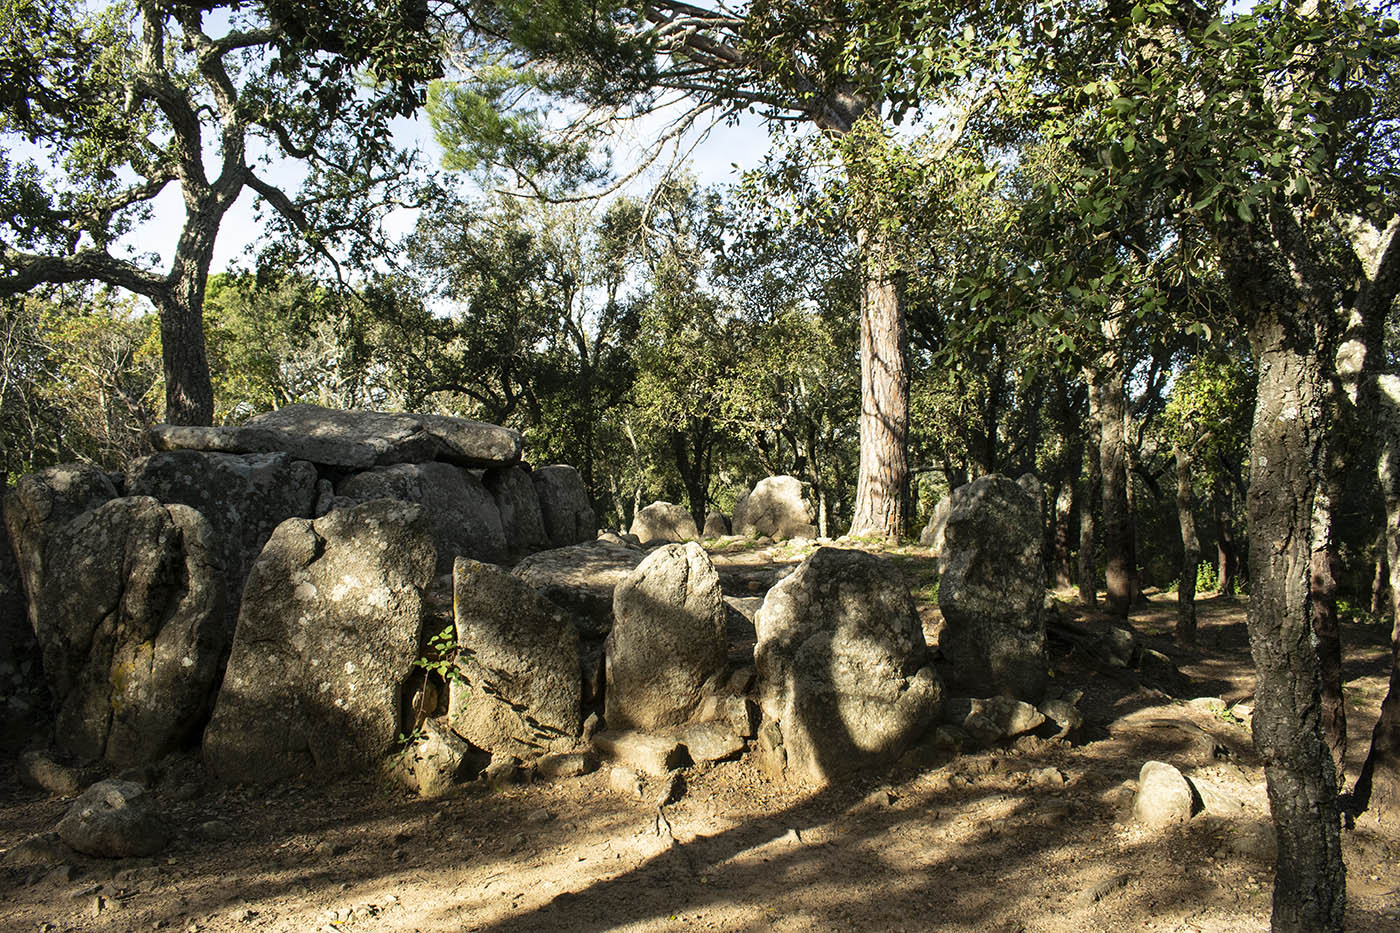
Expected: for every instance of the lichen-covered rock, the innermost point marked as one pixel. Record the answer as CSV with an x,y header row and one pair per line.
x,y
991,590
668,639
40,504
327,637
519,507
132,625
462,512
352,439
244,497
582,579
519,687
114,819
843,677
568,515
664,521
774,508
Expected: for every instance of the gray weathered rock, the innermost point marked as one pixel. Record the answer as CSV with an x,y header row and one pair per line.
x,y
932,535
438,760
519,508
131,621
710,741
244,497
39,505
114,819
462,512
568,515
665,522
668,638
582,579
1011,717
519,692
991,590
642,751
1065,715
774,508
1164,796
18,649
842,667
716,524
1118,647
352,439
327,636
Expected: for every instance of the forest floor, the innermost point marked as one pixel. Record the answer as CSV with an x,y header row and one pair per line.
x,y
1034,837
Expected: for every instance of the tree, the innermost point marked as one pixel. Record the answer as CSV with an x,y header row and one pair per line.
x,y
1268,129
104,111
788,62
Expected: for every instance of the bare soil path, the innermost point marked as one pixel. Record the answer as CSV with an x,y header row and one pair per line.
x,y
1033,837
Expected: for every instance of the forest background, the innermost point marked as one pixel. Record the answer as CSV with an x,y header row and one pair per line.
x,y
1145,250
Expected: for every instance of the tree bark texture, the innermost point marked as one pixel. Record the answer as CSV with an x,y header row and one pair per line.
x,y
1226,550
1377,788
1286,448
883,475
1061,575
1329,641
1190,549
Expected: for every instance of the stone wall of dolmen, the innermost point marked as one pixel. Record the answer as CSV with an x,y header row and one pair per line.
x,y
317,593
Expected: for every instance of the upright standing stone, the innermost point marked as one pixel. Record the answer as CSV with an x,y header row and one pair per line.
x,y
463,514
568,516
668,638
519,692
519,507
327,637
664,521
991,590
40,504
843,677
716,524
775,508
131,620
244,497
932,535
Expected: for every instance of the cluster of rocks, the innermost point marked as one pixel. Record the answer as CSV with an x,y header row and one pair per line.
x,y
775,508
289,559
313,587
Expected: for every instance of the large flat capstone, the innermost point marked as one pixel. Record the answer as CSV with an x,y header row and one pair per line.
x,y
352,439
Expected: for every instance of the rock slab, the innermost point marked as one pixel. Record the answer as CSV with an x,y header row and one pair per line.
x,y
519,508
244,497
460,509
567,513
991,590
519,689
668,639
132,625
843,678
352,439
327,637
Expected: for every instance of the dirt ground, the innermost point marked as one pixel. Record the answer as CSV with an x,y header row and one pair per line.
x,y
1032,837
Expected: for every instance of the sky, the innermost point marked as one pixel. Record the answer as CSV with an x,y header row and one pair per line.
x,y
719,159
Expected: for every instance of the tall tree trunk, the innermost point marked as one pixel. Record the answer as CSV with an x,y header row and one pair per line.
x,y
1377,787
1323,581
1227,551
1285,445
1190,549
1060,573
883,476
1088,544
1110,405
1380,582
